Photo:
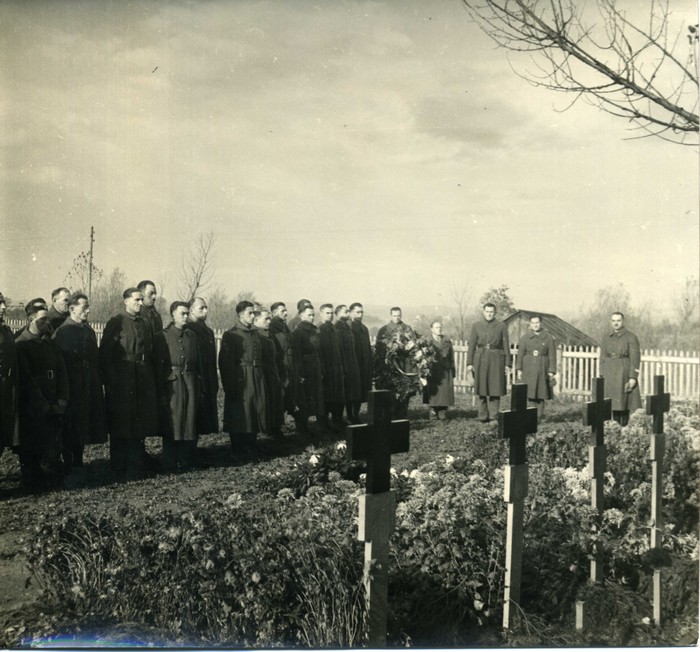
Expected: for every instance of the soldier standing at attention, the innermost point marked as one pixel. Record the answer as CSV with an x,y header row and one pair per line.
x,y
58,313
9,434
85,419
208,413
620,359
488,356
536,364
43,399
129,373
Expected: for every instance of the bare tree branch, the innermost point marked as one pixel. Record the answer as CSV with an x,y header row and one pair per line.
x,y
626,69
196,269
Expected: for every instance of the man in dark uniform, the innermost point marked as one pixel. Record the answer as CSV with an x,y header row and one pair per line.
x,y
274,412
182,391
58,313
38,302
333,373
488,357
363,351
128,373
243,380
208,413
9,432
285,363
348,356
85,418
402,362
620,360
306,346
302,304
536,364
151,317
43,398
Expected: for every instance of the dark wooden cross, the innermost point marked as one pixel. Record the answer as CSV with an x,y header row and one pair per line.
x,y
598,411
518,422
515,425
377,440
658,404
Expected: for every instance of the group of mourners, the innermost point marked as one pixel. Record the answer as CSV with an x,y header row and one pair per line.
x,y
60,391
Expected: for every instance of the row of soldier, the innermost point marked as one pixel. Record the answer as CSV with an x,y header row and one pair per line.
x,y
164,381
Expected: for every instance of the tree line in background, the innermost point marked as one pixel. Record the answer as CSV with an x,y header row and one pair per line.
x,y
196,274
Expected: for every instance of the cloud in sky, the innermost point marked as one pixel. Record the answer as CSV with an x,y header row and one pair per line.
x,y
374,150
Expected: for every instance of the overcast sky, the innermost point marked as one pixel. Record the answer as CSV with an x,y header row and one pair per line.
x,y
375,151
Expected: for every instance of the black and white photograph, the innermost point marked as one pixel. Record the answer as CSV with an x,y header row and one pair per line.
x,y
350,324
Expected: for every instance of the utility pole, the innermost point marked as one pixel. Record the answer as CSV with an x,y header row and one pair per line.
x,y
92,240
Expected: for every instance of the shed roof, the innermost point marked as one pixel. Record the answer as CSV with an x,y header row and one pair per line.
x,y
562,331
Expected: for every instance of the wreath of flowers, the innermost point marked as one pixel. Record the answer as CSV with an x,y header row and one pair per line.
x,y
403,363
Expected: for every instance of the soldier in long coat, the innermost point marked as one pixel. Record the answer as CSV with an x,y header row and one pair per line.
x,y
333,373
85,419
274,414
243,380
536,364
9,372
620,360
348,356
208,413
439,393
488,357
39,303
302,304
129,370
58,312
285,362
182,390
308,373
365,359
43,398
403,362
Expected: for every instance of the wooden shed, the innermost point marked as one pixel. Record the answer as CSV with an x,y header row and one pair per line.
x,y
563,332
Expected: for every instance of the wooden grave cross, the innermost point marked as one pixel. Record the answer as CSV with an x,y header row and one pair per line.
x,y
657,405
515,424
597,412
375,442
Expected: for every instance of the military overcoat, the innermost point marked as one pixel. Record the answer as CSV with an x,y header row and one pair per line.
x,y
365,360
285,360
306,349
182,383
9,378
208,413
274,413
85,418
243,380
489,352
129,370
620,359
348,355
43,382
332,364
537,357
440,390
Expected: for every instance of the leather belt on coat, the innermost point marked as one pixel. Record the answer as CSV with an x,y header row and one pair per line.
x,y
133,357
488,347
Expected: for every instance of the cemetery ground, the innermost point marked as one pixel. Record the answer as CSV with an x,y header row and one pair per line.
x,y
262,551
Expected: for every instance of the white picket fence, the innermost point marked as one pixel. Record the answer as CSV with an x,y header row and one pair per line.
x,y
576,367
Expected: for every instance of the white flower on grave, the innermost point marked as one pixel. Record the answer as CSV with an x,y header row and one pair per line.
x,y
423,381
609,480
414,474
478,605
341,445
404,473
363,476
255,577
314,459
449,460
646,620
234,500
393,472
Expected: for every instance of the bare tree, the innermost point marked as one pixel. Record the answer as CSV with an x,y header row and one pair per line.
x,y
78,276
463,298
687,303
635,70
196,273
